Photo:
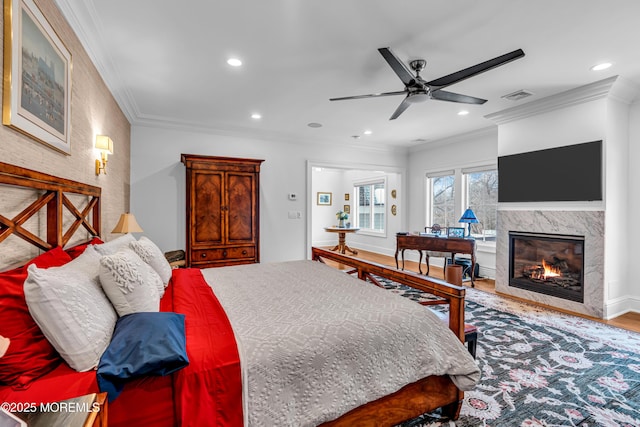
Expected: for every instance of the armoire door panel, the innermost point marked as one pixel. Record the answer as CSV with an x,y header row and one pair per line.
x,y
208,218
241,212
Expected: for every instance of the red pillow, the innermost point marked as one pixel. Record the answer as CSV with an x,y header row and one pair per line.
x,y
29,355
76,251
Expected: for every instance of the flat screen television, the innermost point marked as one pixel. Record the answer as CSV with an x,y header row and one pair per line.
x,y
570,173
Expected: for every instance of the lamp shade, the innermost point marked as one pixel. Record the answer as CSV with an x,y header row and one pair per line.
x,y
104,143
468,217
127,224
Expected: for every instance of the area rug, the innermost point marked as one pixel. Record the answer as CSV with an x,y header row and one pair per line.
x,y
544,368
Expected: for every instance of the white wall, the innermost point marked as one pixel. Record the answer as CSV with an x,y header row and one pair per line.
x,y
468,150
158,183
633,205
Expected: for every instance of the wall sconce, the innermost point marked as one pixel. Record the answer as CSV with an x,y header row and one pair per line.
x,y
127,224
105,145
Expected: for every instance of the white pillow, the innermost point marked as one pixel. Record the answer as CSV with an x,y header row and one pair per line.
x,y
113,246
129,282
71,309
152,255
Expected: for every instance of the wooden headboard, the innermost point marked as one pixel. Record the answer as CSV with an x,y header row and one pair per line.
x,y
54,198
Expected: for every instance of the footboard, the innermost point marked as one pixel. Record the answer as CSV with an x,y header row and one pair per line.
x,y
453,295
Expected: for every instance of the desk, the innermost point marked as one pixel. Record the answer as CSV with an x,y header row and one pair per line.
x,y
438,244
342,233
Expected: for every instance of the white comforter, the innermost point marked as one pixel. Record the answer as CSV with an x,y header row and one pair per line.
x,y
315,342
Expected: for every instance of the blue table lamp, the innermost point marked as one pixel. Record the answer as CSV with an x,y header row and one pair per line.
x,y
470,218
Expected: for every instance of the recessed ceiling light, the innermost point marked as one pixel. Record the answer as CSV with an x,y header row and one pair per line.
x,y
367,132
256,116
234,62
314,125
600,67
355,136
463,112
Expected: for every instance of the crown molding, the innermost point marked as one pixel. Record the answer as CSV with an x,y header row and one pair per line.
x,y
487,132
84,20
614,87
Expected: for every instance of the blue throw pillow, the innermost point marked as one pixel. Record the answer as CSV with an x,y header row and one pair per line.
x,y
146,343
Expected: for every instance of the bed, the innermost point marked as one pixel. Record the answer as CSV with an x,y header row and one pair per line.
x,y
254,334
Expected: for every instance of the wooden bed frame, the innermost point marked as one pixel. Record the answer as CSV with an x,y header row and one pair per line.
x,y
411,401
424,395
52,200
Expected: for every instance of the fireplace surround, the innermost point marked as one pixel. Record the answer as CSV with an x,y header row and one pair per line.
x,y
587,223
551,264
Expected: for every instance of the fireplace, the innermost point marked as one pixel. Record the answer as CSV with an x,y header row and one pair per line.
x,y
550,264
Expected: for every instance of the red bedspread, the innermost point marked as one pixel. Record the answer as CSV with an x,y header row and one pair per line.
x,y
208,392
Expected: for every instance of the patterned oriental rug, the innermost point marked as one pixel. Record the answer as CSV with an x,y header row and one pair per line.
x,y
544,368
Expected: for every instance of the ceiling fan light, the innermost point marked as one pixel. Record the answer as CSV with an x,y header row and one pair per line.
x,y
417,98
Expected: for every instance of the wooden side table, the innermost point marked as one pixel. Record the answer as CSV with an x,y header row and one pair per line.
x,y
89,410
342,238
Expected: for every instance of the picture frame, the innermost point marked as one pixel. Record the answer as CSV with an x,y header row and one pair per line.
x,y
346,209
346,197
455,232
324,198
35,58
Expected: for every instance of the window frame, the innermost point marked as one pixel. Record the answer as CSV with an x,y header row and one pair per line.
x,y
356,207
465,172
461,196
429,194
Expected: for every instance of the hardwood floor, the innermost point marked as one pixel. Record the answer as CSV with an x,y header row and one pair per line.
x,y
630,321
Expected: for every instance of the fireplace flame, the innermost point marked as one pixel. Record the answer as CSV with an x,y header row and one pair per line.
x,y
550,271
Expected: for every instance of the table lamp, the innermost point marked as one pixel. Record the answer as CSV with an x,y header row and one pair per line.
x,y
470,218
127,224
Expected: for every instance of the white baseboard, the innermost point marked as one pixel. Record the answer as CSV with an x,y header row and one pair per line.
x,y
619,306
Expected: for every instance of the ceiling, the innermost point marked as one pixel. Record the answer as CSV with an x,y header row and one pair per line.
x,y
165,61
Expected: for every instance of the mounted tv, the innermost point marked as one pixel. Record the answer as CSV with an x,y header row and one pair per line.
x,y
570,173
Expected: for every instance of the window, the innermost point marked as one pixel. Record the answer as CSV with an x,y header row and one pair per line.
x,y
482,197
441,200
451,192
370,207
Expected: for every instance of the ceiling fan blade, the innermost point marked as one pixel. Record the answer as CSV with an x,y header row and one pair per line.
x,y
372,95
476,69
443,95
398,66
403,106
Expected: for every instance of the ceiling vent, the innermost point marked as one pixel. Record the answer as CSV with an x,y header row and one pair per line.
x,y
517,95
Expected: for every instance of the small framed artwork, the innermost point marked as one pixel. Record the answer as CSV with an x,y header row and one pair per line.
x,y
455,232
36,99
346,196
347,209
324,199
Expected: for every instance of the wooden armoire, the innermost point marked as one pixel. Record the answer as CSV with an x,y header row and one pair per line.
x,y
223,221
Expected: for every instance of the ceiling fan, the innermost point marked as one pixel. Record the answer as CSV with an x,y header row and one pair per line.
x,y
418,90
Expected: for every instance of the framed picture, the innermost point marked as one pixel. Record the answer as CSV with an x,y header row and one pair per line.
x,y
346,196
347,209
324,199
36,97
456,232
